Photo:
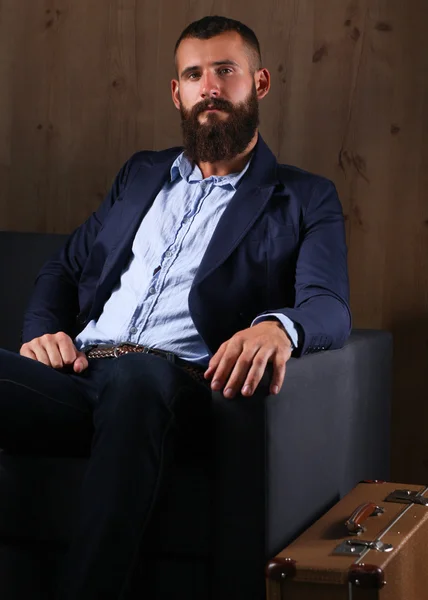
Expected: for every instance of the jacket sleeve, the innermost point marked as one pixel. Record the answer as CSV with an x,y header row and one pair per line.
x,y
321,311
54,302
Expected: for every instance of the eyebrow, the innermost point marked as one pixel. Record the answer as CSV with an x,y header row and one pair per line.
x,y
217,63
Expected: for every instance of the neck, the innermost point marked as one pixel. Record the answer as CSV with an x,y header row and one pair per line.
x,y
226,167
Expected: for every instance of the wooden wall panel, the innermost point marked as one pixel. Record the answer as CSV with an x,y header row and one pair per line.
x,y
85,84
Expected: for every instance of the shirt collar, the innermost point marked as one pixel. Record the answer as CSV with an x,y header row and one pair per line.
x,y
184,168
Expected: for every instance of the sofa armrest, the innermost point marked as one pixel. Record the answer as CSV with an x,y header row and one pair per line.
x,y
281,461
327,430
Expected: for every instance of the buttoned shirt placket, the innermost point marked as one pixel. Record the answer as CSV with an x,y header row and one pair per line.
x,y
143,312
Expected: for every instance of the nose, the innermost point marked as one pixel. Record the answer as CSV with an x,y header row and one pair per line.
x,y
210,87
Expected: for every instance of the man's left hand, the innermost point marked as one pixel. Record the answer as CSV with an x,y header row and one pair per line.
x,y
239,363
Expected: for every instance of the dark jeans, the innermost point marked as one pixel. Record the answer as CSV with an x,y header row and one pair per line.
x,y
131,415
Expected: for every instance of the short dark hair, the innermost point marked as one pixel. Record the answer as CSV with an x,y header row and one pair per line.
x,y
208,27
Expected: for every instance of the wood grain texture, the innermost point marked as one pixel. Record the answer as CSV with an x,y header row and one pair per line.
x,y
83,85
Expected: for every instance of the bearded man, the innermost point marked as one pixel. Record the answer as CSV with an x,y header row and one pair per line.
x,y
201,266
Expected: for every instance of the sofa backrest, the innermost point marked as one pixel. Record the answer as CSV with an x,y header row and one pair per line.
x,y
22,256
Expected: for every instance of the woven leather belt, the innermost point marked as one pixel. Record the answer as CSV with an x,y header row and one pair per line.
x,y
104,351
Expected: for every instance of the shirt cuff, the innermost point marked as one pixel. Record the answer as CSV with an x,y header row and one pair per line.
x,y
289,326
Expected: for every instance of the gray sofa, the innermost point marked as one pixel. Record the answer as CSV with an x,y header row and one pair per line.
x,y
275,465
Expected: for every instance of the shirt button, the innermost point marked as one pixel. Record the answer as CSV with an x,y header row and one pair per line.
x,y
168,254
186,220
152,290
133,330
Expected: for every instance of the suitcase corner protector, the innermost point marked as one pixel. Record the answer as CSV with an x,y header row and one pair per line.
x,y
280,568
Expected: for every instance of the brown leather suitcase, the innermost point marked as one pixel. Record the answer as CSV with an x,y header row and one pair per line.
x,y
372,545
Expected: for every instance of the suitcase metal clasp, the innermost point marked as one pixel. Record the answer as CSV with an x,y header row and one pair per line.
x,y
407,497
357,547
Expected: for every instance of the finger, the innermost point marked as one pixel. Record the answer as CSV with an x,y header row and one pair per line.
x,y
279,368
41,354
48,345
239,372
52,350
225,367
27,352
215,360
66,348
81,362
210,370
256,372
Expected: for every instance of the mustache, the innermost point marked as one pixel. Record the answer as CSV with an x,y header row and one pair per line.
x,y
218,103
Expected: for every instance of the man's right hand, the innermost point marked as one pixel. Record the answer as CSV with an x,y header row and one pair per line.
x,y
55,350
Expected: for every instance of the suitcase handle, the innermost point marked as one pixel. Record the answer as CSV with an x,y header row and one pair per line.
x,y
354,524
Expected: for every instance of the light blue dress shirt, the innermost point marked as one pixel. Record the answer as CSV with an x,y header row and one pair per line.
x,y
149,305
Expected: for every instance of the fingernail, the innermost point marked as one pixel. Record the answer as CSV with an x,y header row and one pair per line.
x,y
216,385
246,389
228,392
275,389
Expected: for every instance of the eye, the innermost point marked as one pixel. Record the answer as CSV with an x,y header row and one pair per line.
x,y
225,71
193,75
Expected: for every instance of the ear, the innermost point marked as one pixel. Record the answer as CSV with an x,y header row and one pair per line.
x,y
175,92
262,82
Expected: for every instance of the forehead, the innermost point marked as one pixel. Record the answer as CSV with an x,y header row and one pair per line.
x,y
225,46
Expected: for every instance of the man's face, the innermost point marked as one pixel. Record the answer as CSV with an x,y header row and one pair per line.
x,y
217,94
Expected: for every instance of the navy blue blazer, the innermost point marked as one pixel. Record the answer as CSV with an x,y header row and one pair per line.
x,y
279,246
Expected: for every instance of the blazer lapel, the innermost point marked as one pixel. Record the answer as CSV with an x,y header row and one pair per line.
x,y
137,200
247,204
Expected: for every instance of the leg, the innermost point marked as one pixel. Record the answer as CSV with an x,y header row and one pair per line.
x,y
138,409
41,410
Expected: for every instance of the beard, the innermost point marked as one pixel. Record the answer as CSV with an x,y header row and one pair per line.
x,y
219,139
